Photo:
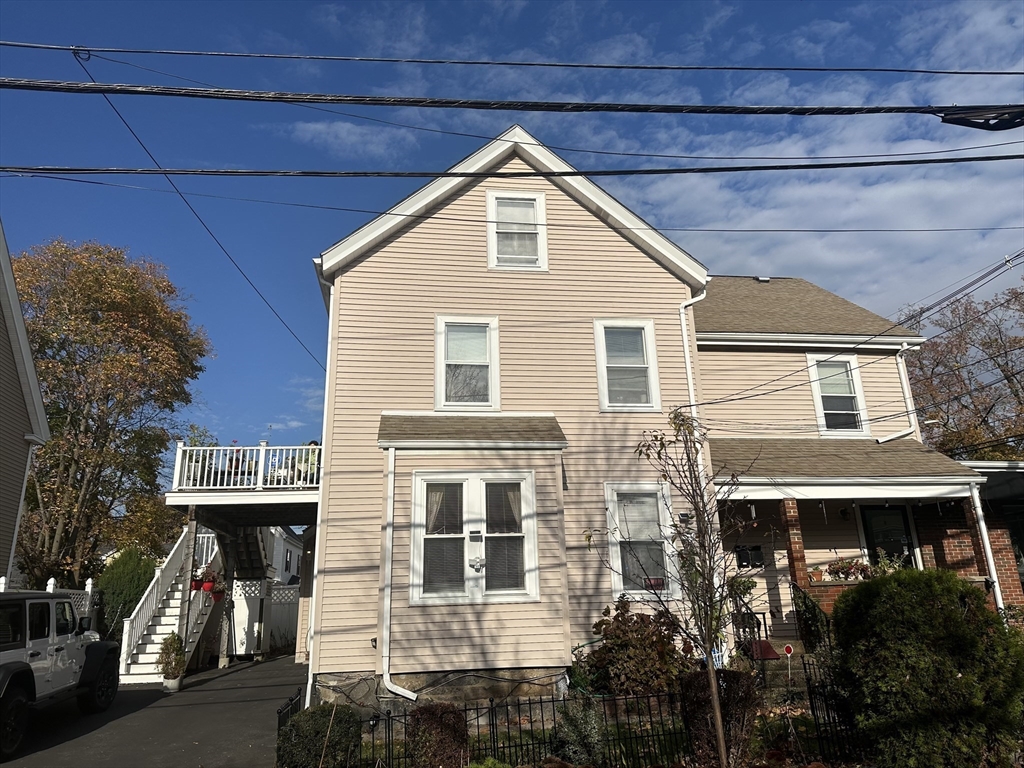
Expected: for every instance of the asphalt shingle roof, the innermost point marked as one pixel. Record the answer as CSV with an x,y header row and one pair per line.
x,y
784,305
809,457
504,429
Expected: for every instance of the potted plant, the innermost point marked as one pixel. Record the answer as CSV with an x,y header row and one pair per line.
x,y
197,578
171,662
816,573
217,591
845,569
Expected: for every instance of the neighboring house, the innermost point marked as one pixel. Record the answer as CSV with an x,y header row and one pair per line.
x,y
497,346
287,558
807,400
22,418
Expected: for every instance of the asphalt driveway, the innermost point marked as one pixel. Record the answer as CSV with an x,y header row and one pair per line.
x,y
220,719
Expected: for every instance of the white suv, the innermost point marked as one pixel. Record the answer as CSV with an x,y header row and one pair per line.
x,y
48,653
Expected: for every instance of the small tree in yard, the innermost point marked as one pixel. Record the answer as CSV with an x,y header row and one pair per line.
x,y
702,570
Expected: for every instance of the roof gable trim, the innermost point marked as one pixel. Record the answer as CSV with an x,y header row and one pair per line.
x,y
582,189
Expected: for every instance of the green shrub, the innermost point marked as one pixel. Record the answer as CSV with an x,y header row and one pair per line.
x,y
739,697
171,660
639,655
490,762
579,732
300,743
123,583
932,675
437,736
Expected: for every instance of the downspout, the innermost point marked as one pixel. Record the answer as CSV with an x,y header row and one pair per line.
x,y
990,561
328,290
908,400
389,538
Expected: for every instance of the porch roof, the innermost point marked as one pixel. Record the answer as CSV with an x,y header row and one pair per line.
x,y
833,458
456,430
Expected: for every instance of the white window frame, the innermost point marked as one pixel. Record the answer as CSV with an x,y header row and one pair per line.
x,y
494,380
858,389
474,512
663,490
650,350
493,195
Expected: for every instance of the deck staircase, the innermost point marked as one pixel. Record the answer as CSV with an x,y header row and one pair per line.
x,y
160,612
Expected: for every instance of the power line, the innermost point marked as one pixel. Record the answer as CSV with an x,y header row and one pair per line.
x,y
532,174
206,226
989,117
612,153
549,226
510,63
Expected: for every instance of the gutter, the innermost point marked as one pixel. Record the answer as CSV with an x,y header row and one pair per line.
x,y
997,593
389,539
908,400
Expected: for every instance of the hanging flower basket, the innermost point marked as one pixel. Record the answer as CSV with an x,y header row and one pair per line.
x,y
196,584
208,586
217,596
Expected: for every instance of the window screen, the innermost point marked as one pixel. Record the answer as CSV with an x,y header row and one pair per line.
x,y
444,543
642,546
516,231
504,539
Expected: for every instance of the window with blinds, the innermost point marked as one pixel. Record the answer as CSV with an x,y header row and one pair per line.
x,y
474,537
626,365
467,363
640,540
516,237
838,400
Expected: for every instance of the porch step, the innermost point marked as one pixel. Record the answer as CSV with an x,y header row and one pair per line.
x,y
141,679
162,621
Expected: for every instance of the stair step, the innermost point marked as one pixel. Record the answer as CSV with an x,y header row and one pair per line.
x,y
162,621
148,668
141,679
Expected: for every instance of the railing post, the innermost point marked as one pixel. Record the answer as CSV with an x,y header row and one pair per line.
x,y
51,584
178,465
260,469
126,653
3,583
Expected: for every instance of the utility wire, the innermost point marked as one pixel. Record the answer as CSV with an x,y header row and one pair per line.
x,y
475,221
532,174
510,63
659,155
204,224
992,117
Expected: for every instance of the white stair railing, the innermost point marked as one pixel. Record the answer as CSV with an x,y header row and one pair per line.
x,y
200,605
136,624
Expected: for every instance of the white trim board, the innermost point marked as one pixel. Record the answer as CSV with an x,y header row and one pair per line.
x,y
816,340
230,497
758,489
455,445
517,141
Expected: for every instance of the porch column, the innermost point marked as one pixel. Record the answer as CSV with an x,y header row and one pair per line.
x,y
227,619
790,517
978,526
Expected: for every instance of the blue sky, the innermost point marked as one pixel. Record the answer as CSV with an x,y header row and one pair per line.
x,y
260,377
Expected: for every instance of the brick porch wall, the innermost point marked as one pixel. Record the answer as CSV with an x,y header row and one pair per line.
x,y
826,592
790,516
1005,559
946,539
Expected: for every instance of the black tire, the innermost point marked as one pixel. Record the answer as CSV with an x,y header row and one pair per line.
x,y
13,721
100,695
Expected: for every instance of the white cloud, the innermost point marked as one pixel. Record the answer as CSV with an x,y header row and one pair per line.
x,y
345,140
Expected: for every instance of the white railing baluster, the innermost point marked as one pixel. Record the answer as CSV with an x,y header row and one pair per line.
x,y
246,468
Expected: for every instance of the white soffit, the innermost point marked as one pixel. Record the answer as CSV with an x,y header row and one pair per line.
x,y
584,191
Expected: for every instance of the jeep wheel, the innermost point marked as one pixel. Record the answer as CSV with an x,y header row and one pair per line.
x,y
100,695
13,721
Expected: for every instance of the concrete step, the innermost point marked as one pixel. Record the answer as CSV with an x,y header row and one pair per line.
x,y
141,678
149,657
147,668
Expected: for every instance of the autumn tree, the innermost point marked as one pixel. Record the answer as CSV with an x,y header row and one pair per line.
x,y
116,353
968,379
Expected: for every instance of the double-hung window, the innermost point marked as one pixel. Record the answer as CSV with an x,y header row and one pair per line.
x,y
838,397
640,535
516,236
627,367
467,373
474,538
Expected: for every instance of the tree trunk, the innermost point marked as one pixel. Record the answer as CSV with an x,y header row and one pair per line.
x,y
716,710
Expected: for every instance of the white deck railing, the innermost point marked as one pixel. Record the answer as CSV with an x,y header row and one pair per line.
x,y
246,468
136,624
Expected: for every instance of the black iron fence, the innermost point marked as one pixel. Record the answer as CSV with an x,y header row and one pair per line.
x,y
289,708
625,730
813,624
833,719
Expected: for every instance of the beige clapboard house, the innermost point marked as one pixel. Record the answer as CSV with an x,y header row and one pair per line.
x,y
497,346
22,418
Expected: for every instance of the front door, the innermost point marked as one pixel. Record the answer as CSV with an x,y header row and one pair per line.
x,y
39,649
887,528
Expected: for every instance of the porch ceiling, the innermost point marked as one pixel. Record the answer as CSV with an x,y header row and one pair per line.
x,y
810,458
224,517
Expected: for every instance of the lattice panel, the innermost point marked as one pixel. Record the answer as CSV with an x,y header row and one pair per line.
x,y
247,588
284,594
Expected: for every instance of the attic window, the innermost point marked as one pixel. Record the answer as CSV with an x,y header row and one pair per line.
x,y
516,232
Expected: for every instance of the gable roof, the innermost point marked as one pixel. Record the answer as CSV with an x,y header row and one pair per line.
x,y
786,305
14,322
516,141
